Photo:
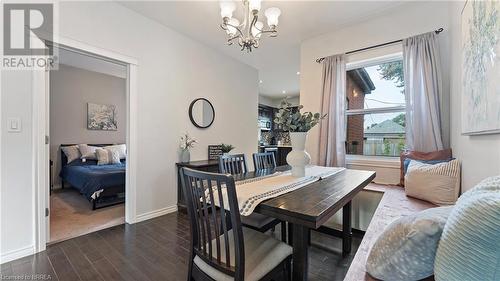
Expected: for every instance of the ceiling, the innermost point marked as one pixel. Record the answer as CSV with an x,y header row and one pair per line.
x,y
277,59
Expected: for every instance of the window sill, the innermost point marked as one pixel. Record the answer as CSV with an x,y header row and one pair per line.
x,y
373,161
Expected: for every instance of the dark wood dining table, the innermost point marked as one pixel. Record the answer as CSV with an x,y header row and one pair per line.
x,y
309,207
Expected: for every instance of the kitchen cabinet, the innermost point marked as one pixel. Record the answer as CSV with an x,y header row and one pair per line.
x,y
280,153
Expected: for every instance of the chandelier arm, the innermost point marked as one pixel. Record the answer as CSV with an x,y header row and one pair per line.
x,y
273,32
235,27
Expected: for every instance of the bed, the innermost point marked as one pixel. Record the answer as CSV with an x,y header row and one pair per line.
x,y
102,185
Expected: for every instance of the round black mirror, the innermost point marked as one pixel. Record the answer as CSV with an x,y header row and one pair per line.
x,y
201,113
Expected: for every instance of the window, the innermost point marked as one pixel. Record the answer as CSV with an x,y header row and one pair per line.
x,y
376,109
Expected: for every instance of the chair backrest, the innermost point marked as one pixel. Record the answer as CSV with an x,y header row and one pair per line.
x,y
210,225
264,161
233,164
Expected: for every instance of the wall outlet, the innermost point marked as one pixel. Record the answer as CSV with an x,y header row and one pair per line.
x,y
14,125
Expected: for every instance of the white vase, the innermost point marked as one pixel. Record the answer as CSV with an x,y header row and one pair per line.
x,y
185,155
298,158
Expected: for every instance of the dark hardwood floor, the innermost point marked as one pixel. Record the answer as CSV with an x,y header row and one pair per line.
x,y
156,249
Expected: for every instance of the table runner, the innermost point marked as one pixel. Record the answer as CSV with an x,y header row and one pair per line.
x,y
253,191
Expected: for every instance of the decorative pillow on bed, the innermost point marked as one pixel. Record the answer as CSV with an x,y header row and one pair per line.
x,y
406,249
87,151
438,183
107,156
72,152
120,148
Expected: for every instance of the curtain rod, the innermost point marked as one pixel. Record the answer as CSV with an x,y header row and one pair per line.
x,y
437,31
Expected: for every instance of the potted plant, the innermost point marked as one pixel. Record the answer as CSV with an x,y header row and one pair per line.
x,y
226,148
186,143
297,124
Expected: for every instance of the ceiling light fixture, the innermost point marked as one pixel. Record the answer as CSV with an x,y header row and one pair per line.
x,y
298,72
248,32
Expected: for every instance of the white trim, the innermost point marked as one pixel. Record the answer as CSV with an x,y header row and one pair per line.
x,y
131,169
156,213
41,188
391,109
373,161
40,159
374,61
17,254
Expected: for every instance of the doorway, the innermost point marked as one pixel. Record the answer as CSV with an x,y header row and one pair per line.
x,y
41,133
87,121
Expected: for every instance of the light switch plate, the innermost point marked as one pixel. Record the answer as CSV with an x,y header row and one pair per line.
x,y
14,125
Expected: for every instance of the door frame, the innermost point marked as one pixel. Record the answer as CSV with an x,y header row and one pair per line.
x,y
41,156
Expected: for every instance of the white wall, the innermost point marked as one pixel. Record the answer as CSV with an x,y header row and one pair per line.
x,y
71,89
173,70
407,20
480,155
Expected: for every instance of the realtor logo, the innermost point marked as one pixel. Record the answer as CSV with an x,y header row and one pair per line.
x,y
23,28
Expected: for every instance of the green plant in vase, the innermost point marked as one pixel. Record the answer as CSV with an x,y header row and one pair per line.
x,y
297,124
226,148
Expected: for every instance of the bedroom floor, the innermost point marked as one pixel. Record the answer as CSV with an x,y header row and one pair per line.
x,y
71,215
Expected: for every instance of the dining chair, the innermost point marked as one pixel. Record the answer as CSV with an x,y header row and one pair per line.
x,y
264,161
236,165
221,249
233,164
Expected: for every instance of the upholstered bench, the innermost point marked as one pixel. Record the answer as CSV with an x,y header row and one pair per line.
x,y
393,205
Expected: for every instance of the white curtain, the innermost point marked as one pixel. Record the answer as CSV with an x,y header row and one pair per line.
x,y
422,74
333,127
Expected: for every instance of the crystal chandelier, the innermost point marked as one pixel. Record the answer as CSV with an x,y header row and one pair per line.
x,y
248,33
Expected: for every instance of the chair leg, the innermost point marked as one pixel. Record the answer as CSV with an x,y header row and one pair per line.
x,y
283,231
288,270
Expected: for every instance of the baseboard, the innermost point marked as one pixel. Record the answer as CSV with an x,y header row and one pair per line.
x,y
17,254
156,213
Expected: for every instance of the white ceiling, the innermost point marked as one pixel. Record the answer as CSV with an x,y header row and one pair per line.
x,y
277,59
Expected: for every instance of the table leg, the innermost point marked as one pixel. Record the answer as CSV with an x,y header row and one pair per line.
x,y
346,228
300,252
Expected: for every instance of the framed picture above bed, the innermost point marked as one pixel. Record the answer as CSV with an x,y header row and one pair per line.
x,y
101,117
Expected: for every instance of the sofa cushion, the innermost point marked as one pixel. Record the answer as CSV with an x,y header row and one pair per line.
x,y
417,155
407,247
438,183
469,248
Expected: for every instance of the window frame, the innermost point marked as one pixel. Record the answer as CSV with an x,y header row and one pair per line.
x,y
397,56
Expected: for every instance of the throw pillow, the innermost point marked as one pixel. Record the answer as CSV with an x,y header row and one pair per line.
x,y
120,148
438,183
469,248
408,160
417,155
407,247
87,151
107,156
72,152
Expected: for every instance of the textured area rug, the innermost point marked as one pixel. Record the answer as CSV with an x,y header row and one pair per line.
x,y
71,215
